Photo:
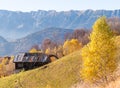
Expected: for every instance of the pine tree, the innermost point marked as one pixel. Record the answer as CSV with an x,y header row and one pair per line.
x,y
98,55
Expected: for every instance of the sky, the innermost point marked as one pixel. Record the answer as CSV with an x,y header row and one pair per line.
x,y
59,5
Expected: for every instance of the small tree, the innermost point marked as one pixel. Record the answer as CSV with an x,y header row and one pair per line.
x,y
71,46
59,51
33,50
47,51
98,56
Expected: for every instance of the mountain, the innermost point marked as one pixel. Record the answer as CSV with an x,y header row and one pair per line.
x,y
24,44
33,27
16,24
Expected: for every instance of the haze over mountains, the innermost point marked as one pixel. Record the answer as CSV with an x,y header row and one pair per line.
x,y
19,24
38,25
24,44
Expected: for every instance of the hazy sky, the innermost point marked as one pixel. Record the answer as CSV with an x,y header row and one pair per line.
x,y
59,5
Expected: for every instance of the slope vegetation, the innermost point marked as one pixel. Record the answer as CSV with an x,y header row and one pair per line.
x,y
62,73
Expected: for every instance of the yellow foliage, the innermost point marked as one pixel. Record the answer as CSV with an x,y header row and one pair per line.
x,y
5,61
117,42
2,70
68,47
7,66
52,59
51,51
98,56
48,86
11,66
60,51
33,50
47,51
71,46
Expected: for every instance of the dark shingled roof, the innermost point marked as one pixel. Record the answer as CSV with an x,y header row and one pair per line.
x,y
30,57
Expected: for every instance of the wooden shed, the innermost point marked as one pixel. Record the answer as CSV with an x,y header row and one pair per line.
x,y
31,60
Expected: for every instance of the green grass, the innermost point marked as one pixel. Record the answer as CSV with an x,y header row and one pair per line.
x,y
62,73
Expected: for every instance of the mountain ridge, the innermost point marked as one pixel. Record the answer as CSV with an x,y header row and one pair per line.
x,y
24,44
29,28
20,24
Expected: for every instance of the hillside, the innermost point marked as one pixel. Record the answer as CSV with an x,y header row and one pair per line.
x,y
24,44
62,73
20,24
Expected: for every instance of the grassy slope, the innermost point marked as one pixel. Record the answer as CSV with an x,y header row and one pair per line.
x,y
59,74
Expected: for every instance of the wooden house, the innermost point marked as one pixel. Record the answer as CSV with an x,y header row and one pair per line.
x,y
31,60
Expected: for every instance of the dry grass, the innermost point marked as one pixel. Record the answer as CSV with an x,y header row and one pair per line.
x,y
62,73
113,82
59,74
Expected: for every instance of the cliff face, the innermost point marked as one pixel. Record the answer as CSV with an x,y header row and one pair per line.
x,y
19,24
